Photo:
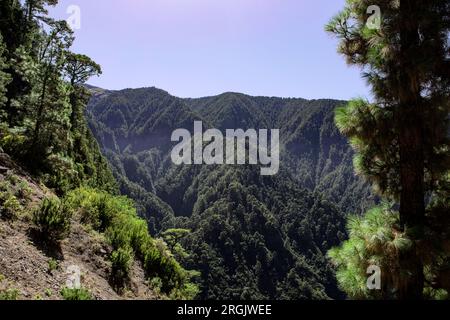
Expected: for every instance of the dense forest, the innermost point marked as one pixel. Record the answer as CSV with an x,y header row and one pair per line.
x,y
251,237
43,128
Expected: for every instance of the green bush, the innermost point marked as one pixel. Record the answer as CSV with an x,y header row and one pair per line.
x,y
156,285
23,190
53,218
10,206
76,294
48,292
62,173
121,259
128,234
9,294
13,191
187,292
97,208
12,178
52,265
163,265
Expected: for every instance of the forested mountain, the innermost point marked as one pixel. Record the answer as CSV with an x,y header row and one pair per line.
x,y
251,236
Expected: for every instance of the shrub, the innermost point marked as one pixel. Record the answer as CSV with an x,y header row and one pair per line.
x,y
187,292
128,234
9,294
96,208
48,292
23,190
12,140
105,212
139,234
52,265
119,235
156,284
121,259
6,293
76,294
165,267
12,178
53,218
9,205
62,173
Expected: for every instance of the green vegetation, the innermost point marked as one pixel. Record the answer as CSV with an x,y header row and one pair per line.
x,y
6,291
128,234
42,99
53,265
402,147
173,238
48,292
43,128
53,219
9,294
121,259
250,237
10,205
133,127
79,294
374,240
11,190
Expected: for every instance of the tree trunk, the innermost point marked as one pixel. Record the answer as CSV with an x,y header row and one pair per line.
x,y
74,111
411,139
38,124
412,206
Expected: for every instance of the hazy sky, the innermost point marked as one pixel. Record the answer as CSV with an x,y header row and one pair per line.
x,y
194,48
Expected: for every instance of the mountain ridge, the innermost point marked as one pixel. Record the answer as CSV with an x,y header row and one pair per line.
x,y
305,205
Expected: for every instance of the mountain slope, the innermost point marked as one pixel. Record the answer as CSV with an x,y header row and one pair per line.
x,y
251,236
261,237
31,268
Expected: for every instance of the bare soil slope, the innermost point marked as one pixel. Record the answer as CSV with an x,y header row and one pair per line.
x,y
32,269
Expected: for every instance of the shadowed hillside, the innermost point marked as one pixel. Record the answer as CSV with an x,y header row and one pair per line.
x,y
251,236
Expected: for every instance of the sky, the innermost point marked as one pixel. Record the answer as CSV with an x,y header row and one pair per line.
x,y
196,48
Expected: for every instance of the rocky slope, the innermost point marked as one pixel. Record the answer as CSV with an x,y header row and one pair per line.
x,y
33,269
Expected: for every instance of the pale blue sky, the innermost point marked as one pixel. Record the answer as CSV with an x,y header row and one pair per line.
x,y
195,48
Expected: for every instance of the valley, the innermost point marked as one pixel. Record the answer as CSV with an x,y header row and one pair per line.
x,y
251,236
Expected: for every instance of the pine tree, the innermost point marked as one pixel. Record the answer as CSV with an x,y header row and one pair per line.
x,y
42,100
11,23
401,139
12,29
51,59
78,69
37,9
5,78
